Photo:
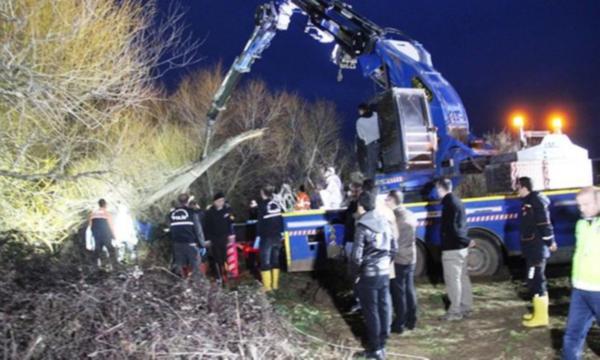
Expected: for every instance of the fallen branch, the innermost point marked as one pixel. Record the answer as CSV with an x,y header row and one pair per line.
x,y
183,179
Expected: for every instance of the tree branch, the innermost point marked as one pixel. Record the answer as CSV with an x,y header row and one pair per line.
x,y
52,175
184,178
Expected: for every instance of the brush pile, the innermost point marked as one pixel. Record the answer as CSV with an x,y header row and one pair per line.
x,y
54,309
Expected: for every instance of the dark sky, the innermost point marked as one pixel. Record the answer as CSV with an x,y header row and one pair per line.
x,y
540,56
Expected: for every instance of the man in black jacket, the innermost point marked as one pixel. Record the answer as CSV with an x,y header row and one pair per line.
x,y
455,250
269,228
372,253
186,235
218,225
537,240
351,215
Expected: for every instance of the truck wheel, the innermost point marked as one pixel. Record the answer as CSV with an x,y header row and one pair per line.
x,y
484,259
421,266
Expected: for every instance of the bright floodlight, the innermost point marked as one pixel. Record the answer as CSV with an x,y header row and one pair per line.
x,y
557,123
518,121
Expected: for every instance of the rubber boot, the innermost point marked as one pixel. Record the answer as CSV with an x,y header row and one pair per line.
x,y
275,278
529,316
540,312
266,280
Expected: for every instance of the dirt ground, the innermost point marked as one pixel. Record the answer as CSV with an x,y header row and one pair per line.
x,y
317,304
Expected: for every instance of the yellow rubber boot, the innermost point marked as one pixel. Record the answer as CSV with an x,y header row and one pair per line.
x,y
266,280
275,276
540,312
530,315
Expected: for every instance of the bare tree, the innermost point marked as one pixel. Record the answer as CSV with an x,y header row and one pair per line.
x,y
301,137
75,87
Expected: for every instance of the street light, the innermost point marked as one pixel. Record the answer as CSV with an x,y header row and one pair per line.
x,y
518,121
557,124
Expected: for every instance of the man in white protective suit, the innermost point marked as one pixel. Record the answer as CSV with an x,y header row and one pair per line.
x,y
332,194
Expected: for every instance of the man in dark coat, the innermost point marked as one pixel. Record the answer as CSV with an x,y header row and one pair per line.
x,y
218,225
537,240
455,250
187,236
270,229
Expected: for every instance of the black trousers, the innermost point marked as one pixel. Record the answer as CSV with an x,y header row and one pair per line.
x,y
269,251
102,242
374,295
186,255
536,277
404,296
369,159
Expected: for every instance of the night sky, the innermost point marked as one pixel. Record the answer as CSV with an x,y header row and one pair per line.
x,y
538,56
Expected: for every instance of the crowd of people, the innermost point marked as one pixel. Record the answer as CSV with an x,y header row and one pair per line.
x,y
383,258
381,247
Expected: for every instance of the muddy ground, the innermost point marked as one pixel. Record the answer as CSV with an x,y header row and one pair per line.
x,y
317,304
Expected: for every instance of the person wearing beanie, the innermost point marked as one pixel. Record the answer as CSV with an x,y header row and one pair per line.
x,y
218,225
372,253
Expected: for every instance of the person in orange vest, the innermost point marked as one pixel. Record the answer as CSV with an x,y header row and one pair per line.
x,y
103,230
302,199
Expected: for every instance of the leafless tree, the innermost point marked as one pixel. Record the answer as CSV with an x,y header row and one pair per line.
x,y
301,136
75,78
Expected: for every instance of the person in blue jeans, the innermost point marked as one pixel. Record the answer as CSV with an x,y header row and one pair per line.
x,y
373,250
585,296
404,294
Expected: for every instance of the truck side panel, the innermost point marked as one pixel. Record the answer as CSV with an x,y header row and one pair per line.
x,y
309,233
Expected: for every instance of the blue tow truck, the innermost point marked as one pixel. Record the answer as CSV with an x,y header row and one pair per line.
x,y
492,224
424,135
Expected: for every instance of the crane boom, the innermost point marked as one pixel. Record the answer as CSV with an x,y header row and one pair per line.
x,y
387,56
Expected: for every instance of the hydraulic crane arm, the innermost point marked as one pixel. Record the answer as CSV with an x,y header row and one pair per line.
x,y
388,57
328,21
267,18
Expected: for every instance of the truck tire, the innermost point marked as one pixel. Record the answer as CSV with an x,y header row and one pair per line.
x,y
422,258
485,259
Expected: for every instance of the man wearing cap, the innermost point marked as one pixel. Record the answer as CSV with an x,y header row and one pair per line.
x,y
218,222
